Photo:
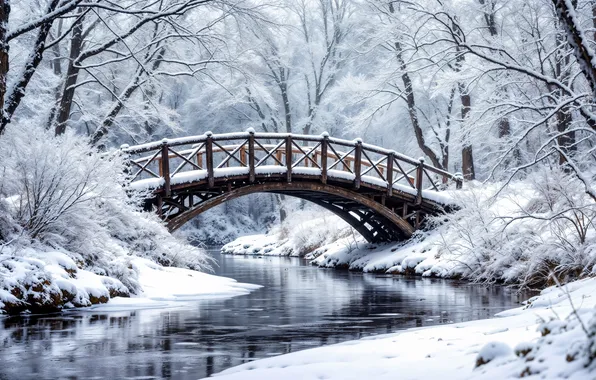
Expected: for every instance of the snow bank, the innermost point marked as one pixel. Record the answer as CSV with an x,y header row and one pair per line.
x,y
179,284
513,345
50,281
304,231
40,281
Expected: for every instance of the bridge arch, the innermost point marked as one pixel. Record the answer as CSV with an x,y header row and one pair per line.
x,y
371,219
384,195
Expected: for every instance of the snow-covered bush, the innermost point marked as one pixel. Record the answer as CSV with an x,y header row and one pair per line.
x,y
492,351
564,350
58,194
523,232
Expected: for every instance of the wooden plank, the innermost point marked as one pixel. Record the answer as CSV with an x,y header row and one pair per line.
x,y
160,206
243,155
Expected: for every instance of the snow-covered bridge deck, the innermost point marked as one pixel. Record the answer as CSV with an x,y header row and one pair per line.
x,y
383,194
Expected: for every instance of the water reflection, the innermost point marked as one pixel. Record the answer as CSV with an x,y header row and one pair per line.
x,y
299,307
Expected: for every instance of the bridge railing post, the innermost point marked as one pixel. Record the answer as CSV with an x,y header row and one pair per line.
x,y
419,178
251,155
209,158
324,148
165,167
389,177
289,158
357,163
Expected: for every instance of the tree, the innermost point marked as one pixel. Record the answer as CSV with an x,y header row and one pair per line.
x,y
129,38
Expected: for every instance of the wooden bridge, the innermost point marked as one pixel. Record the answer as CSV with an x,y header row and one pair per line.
x,y
384,195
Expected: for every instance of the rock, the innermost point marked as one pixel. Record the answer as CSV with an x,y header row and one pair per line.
x,y
97,300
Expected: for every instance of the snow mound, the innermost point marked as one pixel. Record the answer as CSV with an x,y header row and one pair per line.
x,y
492,351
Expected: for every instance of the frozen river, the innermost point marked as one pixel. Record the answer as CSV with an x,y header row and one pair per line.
x,y
298,307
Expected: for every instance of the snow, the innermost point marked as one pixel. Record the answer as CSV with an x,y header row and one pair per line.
x,y
169,286
447,352
493,350
179,284
307,171
270,169
339,174
188,177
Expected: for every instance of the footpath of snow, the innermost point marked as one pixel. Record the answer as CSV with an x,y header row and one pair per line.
x,y
512,345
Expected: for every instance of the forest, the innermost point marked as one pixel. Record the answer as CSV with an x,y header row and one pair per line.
x,y
501,91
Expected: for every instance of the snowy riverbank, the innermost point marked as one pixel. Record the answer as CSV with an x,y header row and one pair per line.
x,y
51,281
543,339
74,236
493,239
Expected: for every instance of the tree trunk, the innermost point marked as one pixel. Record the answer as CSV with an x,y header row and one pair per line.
x,y
563,117
57,67
576,38
594,18
283,214
413,110
72,73
283,86
4,14
567,140
467,154
18,91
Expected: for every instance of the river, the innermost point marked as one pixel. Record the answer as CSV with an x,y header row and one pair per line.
x,y
299,307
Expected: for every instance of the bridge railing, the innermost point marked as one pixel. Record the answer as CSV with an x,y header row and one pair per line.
x,y
208,157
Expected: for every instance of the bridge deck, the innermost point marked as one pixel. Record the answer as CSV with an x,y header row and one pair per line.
x,y
189,175
228,174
